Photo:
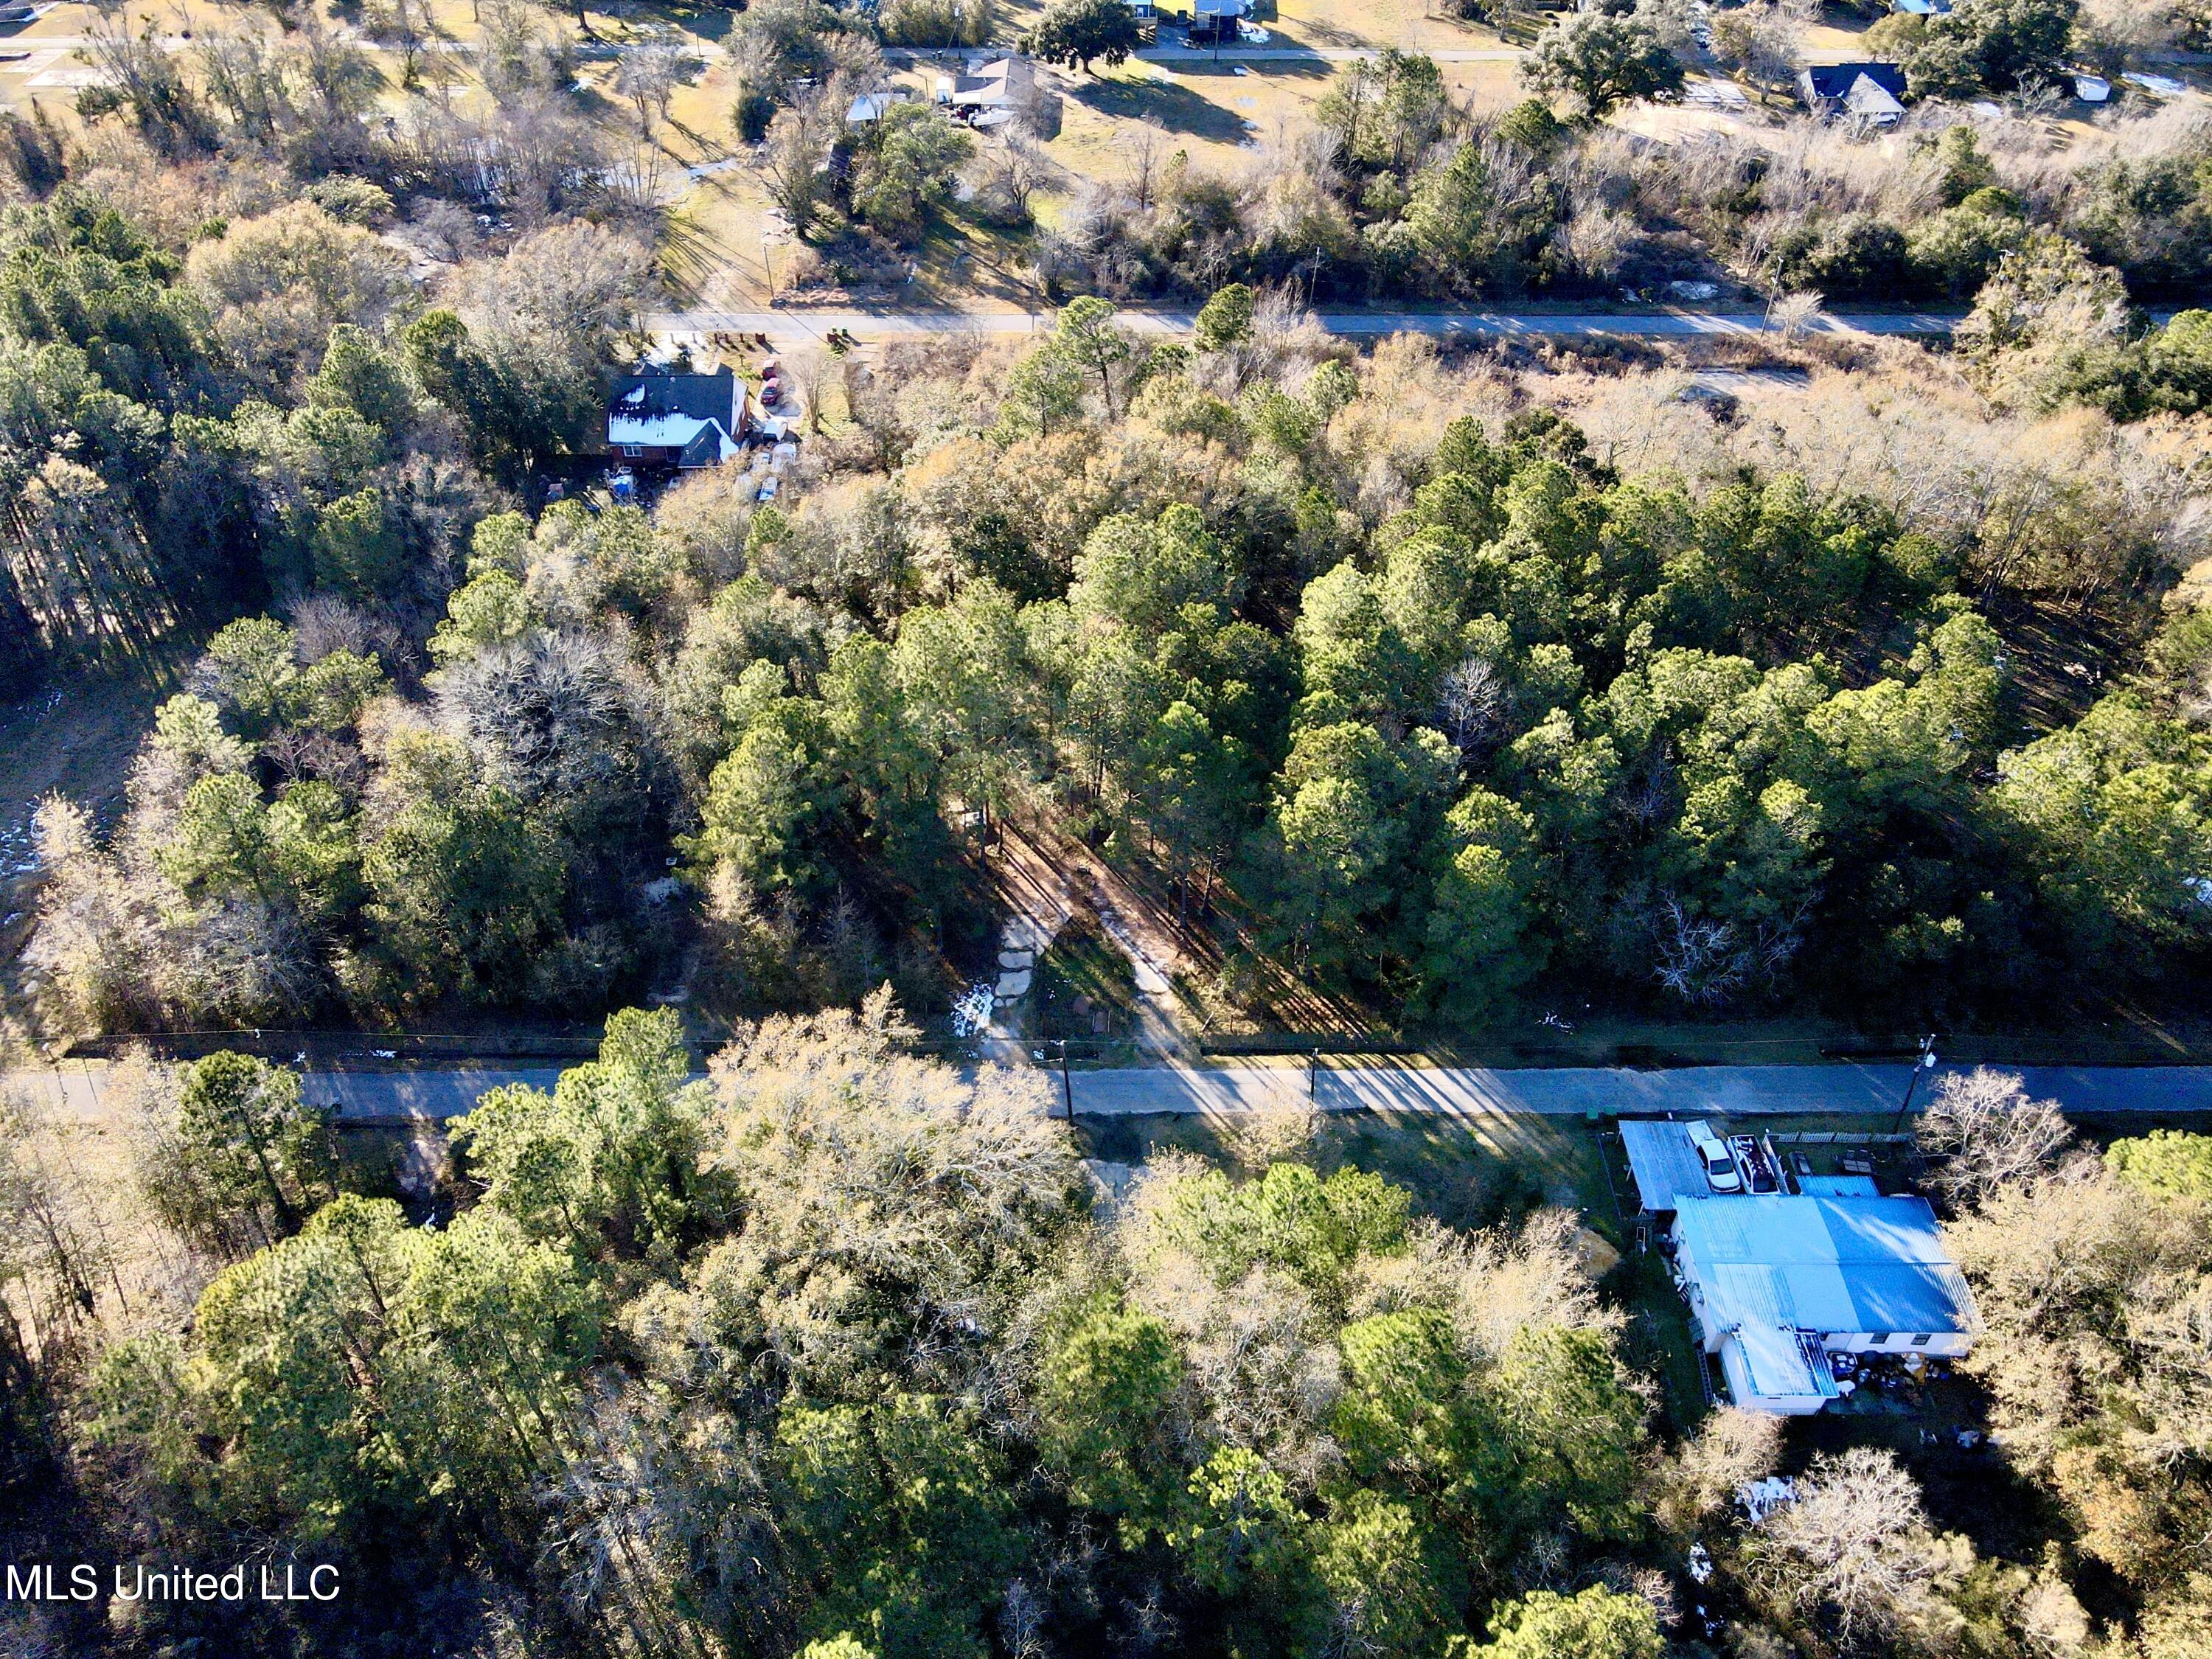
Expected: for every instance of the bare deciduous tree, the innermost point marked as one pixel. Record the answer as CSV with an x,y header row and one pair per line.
x,y
1793,314
810,374
1596,241
1852,1550
1008,174
648,75
798,146
1982,1133
1764,41
1706,962
1729,1450
1148,142
1700,961
1273,1135
1471,705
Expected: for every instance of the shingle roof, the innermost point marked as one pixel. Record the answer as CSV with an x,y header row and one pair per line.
x,y
652,395
1835,81
702,416
1003,80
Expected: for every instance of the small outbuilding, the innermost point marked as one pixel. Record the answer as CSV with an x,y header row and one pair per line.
x,y
1665,1165
868,106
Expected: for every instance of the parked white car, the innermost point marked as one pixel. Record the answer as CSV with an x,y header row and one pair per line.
x,y
1721,1173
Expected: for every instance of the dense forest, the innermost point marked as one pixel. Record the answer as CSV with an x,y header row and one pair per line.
x,y
843,1352
1429,681
1423,706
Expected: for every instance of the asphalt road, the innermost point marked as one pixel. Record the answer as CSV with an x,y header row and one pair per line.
x,y
396,1096
799,324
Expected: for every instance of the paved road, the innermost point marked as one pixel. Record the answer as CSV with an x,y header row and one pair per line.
x,y
1735,1090
437,1093
892,323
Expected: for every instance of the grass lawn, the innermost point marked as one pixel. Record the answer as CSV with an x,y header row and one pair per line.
x,y
1658,1341
1085,988
1408,25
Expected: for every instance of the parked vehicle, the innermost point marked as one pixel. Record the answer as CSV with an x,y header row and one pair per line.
x,y
1721,1173
1758,1168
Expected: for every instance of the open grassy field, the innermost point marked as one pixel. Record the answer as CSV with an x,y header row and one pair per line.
x,y
726,248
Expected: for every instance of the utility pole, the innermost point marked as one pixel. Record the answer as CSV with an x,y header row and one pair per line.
x,y
1926,1062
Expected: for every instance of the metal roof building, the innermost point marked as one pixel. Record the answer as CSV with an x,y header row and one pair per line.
x,y
1665,1164
1778,1283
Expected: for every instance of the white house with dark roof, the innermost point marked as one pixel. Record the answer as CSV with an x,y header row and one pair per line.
x,y
1777,1285
677,420
1870,93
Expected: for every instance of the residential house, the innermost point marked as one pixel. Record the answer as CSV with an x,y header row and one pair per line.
x,y
1217,20
991,93
1869,93
659,418
1779,1285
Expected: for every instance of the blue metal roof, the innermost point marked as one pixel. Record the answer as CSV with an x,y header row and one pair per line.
x,y
1840,1265
1664,1163
1910,1297
1838,1186
1873,1229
